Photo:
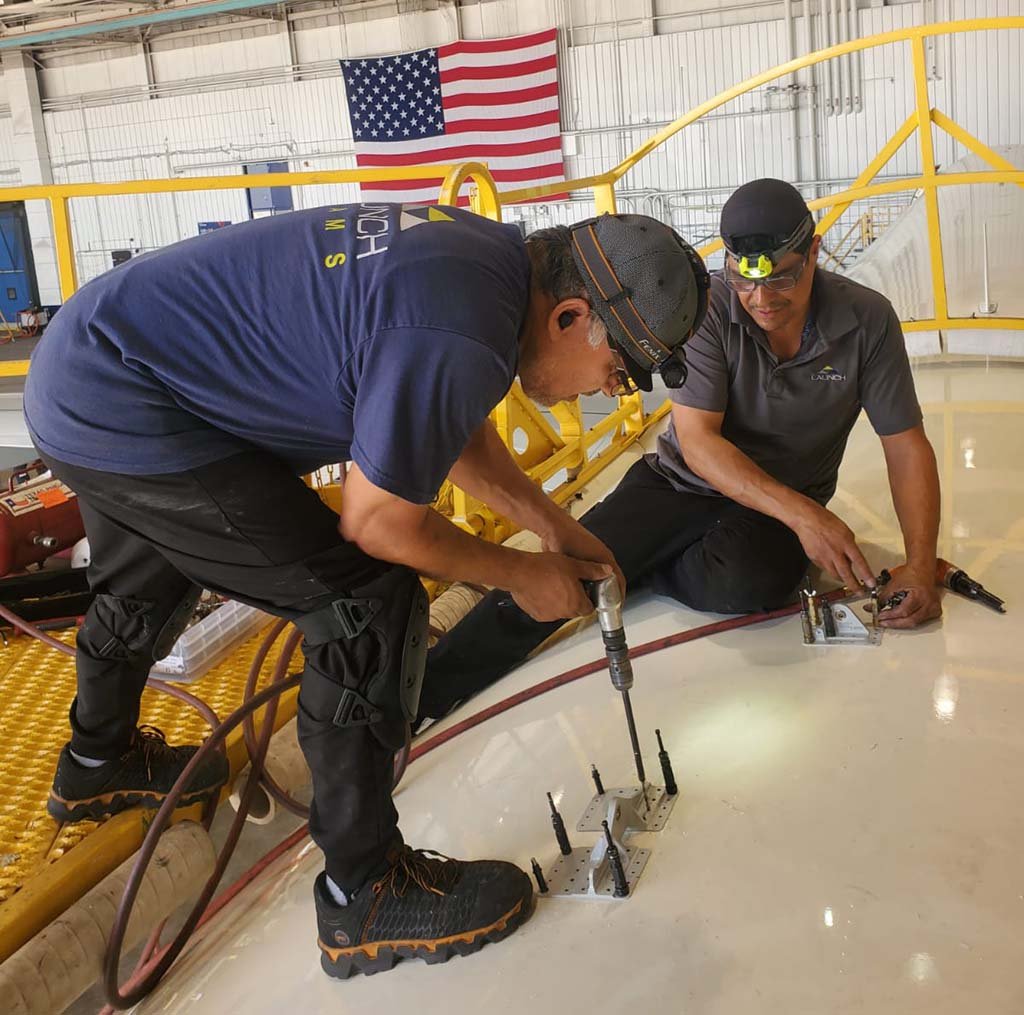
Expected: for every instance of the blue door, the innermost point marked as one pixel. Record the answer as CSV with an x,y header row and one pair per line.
x,y
268,200
17,281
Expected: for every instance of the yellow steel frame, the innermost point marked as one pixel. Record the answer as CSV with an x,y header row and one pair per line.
x,y
921,121
548,448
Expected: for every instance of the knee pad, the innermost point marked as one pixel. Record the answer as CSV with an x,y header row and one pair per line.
x,y
175,624
394,609
125,627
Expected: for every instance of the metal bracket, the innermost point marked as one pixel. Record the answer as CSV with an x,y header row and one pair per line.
x,y
840,625
586,873
641,809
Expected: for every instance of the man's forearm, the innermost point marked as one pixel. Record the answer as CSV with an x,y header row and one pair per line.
x,y
914,482
486,470
719,462
437,548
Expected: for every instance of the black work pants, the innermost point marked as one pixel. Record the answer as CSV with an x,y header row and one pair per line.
x,y
709,553
249,528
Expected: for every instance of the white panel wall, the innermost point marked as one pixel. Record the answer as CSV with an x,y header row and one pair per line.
x,y
224,52
10,172
93,70
231,96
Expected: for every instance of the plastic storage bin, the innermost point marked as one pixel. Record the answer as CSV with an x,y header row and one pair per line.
x,y
204,644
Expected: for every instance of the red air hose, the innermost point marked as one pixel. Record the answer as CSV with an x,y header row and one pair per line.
x,y
297,836
154,963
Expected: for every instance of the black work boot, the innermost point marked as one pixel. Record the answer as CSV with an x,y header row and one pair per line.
x,y
141,777
426,907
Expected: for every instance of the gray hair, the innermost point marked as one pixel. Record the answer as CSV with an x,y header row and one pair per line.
x,y
555,273
552,264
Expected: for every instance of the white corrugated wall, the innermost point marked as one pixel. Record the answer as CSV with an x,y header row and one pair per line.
x,y
103,124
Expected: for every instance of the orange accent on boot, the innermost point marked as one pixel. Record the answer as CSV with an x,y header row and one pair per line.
x,y
371,948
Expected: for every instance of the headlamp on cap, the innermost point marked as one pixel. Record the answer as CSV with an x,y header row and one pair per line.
x,y
761,263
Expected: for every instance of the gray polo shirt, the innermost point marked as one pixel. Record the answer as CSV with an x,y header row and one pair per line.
x,y
793,418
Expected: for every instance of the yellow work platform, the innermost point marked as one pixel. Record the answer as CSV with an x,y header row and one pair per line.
x,y
37,685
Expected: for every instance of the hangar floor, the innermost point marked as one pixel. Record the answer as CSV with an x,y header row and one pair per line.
x,y
848,833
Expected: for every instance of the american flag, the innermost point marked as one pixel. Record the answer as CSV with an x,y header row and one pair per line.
x,y
491,100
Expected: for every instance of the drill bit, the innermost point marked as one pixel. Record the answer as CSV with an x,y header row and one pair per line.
x,y
634,739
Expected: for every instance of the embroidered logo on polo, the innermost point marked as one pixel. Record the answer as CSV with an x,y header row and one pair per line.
x,y
828,373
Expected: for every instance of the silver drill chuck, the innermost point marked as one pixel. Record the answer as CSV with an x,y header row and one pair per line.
x,y
607,597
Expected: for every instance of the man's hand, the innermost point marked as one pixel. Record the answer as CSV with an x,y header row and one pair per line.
x,y
828,541
551,587
922,602
574,540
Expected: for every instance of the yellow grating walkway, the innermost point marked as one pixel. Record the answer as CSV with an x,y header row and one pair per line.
x,y
37,684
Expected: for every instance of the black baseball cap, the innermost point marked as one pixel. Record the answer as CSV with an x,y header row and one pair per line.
x,y
648,286
765,216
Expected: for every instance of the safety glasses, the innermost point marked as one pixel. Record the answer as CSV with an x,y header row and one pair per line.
x,y
623,382
778,283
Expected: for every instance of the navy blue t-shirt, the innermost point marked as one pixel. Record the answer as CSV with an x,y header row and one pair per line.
x,y
378,333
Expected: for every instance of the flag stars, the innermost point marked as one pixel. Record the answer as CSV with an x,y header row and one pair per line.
x,y
396,97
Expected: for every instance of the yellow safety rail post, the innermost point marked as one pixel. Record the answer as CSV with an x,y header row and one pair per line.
x,y
484,198
928,171
58,196
68,274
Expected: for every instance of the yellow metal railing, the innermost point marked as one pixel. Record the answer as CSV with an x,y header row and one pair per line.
x,y
550,449
921,121
59,197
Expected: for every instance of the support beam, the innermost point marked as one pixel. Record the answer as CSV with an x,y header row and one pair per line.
x,y
931,194
971,143
32,154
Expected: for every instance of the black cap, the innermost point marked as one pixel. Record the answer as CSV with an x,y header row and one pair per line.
x,y
760,215
648,286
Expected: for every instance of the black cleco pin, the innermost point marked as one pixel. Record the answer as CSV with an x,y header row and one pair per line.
x,y
542,885
559,826
666,767
621,889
